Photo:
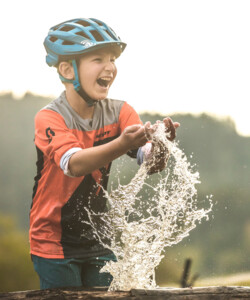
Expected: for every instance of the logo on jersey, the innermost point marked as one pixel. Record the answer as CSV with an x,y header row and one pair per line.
x,y
49,133
103,134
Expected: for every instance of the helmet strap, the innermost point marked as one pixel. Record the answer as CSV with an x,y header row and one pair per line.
x,y
77,86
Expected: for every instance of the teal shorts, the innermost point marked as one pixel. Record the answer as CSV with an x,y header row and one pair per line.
x,y
72,272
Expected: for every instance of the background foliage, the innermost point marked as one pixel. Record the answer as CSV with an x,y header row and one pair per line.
x,y
217,247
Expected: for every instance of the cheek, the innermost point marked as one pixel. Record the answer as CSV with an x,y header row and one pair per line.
x,y
115,73
88,77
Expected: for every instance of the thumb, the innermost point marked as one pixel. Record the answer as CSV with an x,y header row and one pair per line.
x,y
132,128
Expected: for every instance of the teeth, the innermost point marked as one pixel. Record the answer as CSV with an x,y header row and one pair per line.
x,y
105,78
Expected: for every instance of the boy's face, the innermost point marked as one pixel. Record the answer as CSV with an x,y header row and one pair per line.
x,y
97,71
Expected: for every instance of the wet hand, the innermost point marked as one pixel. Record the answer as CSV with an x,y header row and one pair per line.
x,y
159,157
171,128
133,137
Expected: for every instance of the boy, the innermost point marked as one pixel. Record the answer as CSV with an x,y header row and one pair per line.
x,y
77,136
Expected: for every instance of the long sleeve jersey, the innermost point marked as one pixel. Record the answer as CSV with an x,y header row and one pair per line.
x,y
58,219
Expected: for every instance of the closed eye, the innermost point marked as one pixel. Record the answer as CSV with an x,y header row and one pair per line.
x,y
97,59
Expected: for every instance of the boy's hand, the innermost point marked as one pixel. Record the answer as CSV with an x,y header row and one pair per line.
x,y
157,160
133,137
171,128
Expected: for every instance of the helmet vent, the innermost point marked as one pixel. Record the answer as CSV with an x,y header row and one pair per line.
x,y
83,23
67,43
53,39
97,36
66,28
98,22
109,33
83,35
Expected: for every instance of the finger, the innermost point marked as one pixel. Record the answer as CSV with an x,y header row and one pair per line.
x,y
155,126
133,128
177,124
139,134
166,119
147,124
148,134
150,130
167,122
170,128
147,129
172,132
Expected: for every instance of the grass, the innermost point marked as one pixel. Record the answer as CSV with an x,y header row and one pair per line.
x,y
240,279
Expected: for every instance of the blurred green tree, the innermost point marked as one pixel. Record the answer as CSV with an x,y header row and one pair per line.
x,y
16,269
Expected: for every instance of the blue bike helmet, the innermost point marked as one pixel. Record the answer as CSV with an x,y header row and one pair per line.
x,y
70,39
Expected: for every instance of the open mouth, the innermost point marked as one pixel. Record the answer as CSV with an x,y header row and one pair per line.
x,y
104,82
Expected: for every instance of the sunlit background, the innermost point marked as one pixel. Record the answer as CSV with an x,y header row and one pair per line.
x,y
182,56
185,58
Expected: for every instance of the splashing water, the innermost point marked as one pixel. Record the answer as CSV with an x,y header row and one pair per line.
x,y
137,232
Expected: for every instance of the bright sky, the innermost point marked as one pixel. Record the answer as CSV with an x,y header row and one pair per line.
x,y
182,55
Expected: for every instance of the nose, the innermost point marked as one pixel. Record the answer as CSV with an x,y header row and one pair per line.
x,y
110,66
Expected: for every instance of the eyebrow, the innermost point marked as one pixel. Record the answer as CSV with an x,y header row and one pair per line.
x,y
100,52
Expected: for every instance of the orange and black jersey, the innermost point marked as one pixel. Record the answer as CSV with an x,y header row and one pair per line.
x,y
58,217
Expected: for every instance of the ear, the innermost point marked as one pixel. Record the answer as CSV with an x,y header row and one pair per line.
x,y
66,70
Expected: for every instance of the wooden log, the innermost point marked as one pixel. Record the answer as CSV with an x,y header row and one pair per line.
x,y
197,293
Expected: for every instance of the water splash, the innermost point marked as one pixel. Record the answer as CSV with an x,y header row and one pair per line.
x,y
138,230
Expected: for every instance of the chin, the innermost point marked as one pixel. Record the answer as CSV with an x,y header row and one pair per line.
x,y
101,97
